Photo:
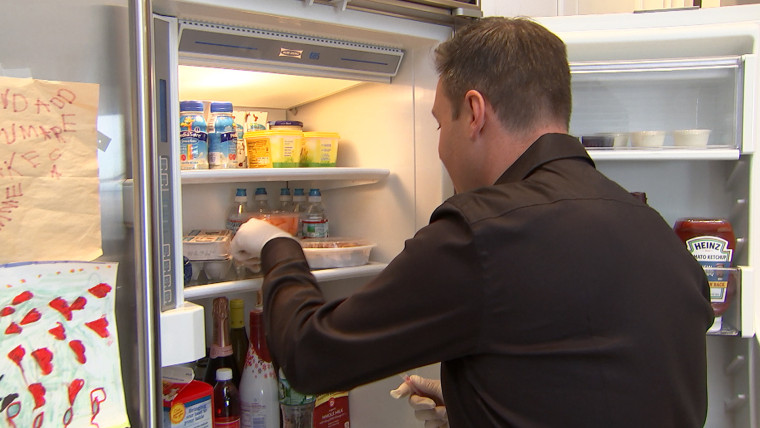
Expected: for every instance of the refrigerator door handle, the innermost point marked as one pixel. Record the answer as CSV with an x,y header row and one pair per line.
x,y
150,404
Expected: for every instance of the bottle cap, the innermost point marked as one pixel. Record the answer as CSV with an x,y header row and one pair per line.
x,y
261,191
314,192
240,192
298,192
225,373
221,107
191,106
285,191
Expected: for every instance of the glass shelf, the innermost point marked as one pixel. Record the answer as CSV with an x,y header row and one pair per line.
x,y
337,176
196,292
664,153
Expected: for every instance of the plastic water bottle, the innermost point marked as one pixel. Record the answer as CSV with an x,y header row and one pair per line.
x,y
238,212
222,137
261,201
226,400
286,201
299,201
258,385
314,222
193,136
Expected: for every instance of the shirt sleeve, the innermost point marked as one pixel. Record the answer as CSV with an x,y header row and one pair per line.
x,y
426,306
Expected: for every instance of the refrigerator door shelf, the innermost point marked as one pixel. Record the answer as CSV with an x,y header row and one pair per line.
x,y
328,178
254,284
182,334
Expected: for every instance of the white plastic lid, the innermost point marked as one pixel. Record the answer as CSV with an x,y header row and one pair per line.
x,y
225,373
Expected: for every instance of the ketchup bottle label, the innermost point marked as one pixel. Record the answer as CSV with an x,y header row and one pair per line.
x,y
713,252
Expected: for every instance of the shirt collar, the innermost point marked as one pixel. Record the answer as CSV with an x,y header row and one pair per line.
x,y
547,148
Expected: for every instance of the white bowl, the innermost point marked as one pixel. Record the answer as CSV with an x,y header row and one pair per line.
x,y
691,137
648,138
619,139
324,253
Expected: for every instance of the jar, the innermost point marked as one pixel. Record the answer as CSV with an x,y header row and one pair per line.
x,y
287,125
712,242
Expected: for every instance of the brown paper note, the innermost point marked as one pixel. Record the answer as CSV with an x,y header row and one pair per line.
x,y
49,200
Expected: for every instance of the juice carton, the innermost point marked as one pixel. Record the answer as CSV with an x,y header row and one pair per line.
x,y
187,402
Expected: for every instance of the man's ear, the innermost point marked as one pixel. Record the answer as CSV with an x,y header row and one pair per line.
x,y
475,109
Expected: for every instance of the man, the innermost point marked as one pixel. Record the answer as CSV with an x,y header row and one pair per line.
x,y
550,295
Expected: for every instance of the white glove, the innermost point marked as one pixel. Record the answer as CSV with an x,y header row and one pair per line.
x,y
426,398
251,238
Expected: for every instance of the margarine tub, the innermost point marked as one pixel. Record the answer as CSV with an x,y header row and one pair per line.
x,y
319,149
259,149
284,146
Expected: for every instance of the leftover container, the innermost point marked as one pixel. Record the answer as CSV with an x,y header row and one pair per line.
x,y
648,138
323,253
691,137
599,140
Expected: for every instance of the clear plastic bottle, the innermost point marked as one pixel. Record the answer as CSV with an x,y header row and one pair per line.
x,y
222,137
238,212
297,409
299,201
258,386
193,136
286,201
314,222
226,400
261,201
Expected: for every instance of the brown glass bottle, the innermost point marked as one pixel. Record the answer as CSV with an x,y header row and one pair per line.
x,y
220,353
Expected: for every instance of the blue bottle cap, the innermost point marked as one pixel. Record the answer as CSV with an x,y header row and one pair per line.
x,y
191,106
261,191
298,192
314,192
218,106
240,192
285,191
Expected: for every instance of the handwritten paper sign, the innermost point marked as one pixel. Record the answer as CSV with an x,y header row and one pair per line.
x,y
59,350
49,200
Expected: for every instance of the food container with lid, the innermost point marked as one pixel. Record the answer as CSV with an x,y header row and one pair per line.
x,y
649,139
207,244
323,253
258,149
319,149
691,137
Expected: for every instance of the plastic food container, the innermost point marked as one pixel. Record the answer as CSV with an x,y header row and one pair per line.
x,y
691,137
207,244
258,149
215,269
319,149
648,138
323,253
595,141
284,220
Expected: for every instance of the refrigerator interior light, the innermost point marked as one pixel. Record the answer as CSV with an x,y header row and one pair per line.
x,y
255,88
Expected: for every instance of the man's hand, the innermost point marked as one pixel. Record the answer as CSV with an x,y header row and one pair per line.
x,y
251,238
426,398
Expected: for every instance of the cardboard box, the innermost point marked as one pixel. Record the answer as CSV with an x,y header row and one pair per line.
x,y
331,411
188,403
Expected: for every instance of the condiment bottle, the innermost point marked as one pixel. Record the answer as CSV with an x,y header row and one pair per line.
x,y
712,242
226,401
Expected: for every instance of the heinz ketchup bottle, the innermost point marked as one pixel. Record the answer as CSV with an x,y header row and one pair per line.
x,y
712,242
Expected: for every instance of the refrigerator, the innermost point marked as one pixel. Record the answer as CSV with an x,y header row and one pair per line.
x,y
631,72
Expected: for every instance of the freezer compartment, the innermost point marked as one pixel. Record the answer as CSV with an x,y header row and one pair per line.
x,y
664,104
